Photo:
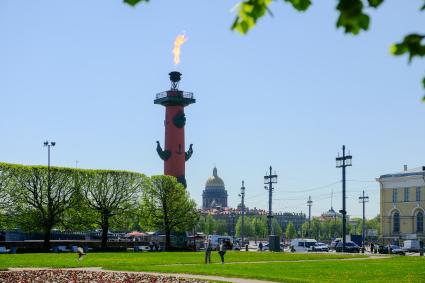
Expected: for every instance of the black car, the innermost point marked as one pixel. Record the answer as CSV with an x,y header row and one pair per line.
x,y
391,249
350,247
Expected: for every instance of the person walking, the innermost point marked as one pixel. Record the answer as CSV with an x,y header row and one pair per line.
x,y
222,251
260,246
208,250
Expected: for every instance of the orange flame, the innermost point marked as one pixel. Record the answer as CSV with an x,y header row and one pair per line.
x,y
180,39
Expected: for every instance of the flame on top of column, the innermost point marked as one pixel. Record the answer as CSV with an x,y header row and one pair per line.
x,y
180,39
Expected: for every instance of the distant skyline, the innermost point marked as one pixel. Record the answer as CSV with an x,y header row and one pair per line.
x,y
289,94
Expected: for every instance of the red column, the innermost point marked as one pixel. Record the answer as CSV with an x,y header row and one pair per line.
x,y
174,142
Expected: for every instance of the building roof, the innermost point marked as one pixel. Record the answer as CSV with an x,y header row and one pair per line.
x,y
419,171
214,180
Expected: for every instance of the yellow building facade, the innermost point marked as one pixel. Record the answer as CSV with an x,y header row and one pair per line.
x,y
402,205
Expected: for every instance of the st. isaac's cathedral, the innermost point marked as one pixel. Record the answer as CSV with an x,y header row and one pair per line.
x,y
214,203
215,194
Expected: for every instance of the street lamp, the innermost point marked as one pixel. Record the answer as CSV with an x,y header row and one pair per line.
x,y
270,180
363,199
242,195
309,204
342,162
49,144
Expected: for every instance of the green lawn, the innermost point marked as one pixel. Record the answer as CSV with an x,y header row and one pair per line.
x,y
315,268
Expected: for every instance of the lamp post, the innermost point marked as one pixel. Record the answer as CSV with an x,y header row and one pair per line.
x,y
343,162
270,180
46,244
309,204
49,144
363,199
242,195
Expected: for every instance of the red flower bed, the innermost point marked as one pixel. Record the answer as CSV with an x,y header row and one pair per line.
x,y
59,276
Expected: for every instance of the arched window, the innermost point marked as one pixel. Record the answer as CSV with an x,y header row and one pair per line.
x,y
420,222
396,222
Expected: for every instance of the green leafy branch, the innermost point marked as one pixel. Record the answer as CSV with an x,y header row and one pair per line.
x,y
412,46
134,2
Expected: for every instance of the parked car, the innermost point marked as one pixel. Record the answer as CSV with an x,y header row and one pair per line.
x,y
392,249
320,247
411,245
350,247
302,245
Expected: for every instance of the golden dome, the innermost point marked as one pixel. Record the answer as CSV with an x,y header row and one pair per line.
x,y
214,180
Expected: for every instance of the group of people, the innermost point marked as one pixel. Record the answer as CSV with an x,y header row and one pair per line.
x,y
209,248
154,246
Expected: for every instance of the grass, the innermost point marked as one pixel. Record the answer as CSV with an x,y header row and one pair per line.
x,y
312,268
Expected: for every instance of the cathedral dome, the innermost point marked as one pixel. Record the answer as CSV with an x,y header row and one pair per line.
x,y
215,194
214,180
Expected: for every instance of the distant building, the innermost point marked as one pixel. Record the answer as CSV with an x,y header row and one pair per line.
x,y
402,204
297,219
215,194
231,216
214,203
331,214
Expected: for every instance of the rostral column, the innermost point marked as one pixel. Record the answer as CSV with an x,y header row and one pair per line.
x,y
174,154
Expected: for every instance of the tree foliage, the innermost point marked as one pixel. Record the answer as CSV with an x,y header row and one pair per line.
x,y
353,18
276,228
5,182
41,195
290,232
248,227
109,193
167,206
207,224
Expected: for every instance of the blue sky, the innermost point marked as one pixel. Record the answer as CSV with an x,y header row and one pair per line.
x,y
289,94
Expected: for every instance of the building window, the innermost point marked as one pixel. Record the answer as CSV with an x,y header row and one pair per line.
x,y
406,194
394,195
419,222
418,193
396,222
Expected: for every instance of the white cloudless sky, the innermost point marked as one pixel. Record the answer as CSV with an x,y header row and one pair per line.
x,y
289,94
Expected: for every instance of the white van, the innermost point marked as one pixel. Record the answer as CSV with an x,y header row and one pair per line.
x,y
216,240
302,245
411,245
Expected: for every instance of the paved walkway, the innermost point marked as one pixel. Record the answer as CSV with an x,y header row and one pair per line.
x,y
299,260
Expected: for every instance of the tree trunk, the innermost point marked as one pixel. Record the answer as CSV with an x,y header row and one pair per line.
x,y
105,228
167,239
47,236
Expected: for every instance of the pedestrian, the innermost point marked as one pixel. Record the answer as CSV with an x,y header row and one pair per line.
x,y
208,250
80,253
371,248
222,251
260,246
